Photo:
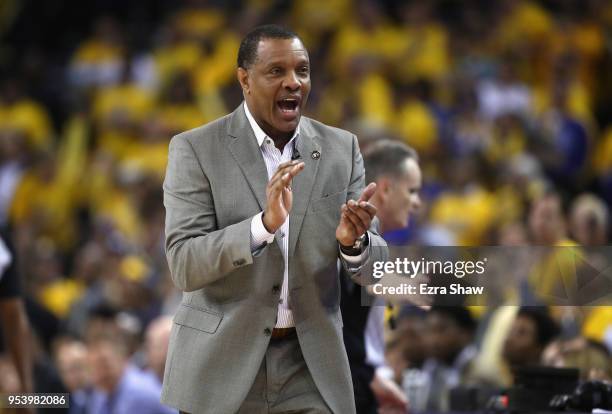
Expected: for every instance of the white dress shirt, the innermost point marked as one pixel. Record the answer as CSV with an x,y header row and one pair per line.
x,y
375,335
273,157
5,257
260,237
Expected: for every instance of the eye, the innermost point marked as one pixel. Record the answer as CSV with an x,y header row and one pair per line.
x,y
304,70
275,71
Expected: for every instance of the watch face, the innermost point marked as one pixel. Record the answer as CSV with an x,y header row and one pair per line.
x,y
359,242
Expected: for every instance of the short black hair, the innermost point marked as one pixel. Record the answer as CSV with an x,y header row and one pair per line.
x,y
458,314
385,158
547,328
247,53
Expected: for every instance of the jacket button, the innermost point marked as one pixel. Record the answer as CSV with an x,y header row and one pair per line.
x,y
275,288
239,262
267,332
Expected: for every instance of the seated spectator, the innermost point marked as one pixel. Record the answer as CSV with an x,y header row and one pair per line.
x,y
449,333
156,346
405,348
548,227
121,388
71,362
533,329
24,116
589,220
568,139
105,320
504,95
97,60
590,357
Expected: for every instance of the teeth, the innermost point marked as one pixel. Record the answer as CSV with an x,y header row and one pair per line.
x,y
292,102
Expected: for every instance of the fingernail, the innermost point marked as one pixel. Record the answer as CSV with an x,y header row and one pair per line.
x,y
363,204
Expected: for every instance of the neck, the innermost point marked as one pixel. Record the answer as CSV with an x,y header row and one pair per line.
x,y
280,142
280,138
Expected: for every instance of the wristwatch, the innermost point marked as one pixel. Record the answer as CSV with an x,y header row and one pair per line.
x,y
357,247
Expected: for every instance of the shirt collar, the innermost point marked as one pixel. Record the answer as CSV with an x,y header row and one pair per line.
x,y
259,133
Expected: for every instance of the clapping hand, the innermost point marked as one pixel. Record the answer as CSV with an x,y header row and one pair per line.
x,y
279,195
356,217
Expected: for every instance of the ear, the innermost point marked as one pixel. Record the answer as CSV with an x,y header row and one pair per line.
x,y
243,77
383,186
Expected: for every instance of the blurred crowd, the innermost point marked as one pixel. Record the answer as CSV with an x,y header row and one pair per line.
x,y
509,104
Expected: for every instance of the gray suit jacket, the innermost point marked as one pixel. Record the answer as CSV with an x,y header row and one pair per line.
x,y
215,183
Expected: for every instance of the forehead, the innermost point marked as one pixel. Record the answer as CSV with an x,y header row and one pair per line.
x,y
269,50
525,324
72,349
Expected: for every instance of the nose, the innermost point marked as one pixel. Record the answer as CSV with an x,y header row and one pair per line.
x,y
416,202
291,81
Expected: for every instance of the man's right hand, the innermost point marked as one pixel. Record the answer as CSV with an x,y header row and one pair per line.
x,y
279,195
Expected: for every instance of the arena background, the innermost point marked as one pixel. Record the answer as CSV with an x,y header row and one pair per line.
x,y
505,101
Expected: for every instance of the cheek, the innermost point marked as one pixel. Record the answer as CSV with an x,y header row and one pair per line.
x,y
306,89
397,206
262,92
263,100
520,344
407,202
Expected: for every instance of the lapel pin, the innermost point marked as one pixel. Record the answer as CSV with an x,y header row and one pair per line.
x,y
315,155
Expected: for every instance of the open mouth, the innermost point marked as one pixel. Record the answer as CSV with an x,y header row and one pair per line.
x,y
288,106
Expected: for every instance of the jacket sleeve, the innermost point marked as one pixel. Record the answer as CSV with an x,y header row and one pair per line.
x,y
198,252
377,249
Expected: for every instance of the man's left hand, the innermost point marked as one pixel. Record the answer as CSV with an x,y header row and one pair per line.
x,y
356,217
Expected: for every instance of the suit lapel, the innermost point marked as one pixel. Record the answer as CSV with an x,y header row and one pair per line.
x,y
302,184
243,146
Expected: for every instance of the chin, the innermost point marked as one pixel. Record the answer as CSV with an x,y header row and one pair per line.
x,y
402,224
286,125
289,126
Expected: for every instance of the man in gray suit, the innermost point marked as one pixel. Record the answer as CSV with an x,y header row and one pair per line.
x,y
263,208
